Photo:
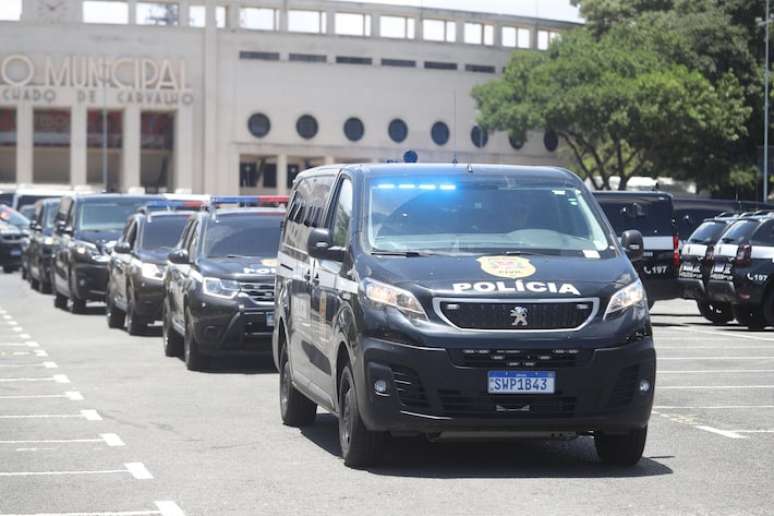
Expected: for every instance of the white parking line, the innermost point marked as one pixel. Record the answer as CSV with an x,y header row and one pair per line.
x,y
60,473
725,433
164,508
58,378
70,395
16,343
108,439
47,365
711,407
88,415
138,471
40,353
715,387
716,347
717,358
692,329
719,371
754,431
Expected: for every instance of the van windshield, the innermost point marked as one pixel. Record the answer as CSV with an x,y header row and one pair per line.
x,y
481,214
107,214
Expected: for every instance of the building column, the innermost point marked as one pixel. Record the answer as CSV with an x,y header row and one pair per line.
x,y
498,35
330,22
376,23
459,36
419,29
25,126
207,152
132,11
282,174
78,145
130,155
183,181
184,13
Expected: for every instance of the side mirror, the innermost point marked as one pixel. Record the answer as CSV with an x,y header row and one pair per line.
x,y
631,240
179,257
122,248
320,246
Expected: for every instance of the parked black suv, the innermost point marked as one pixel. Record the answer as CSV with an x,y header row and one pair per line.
x,y
86,226
696,261
650,213
744,266
39,255
438,298
11,247
135,287
219,285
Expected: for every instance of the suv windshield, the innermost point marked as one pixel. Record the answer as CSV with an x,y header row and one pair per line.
x,y
248,234
650,216
13,217
107,214
739,231
707,233
49,215
480,214
163,232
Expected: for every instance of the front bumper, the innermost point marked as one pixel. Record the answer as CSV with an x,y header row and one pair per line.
x,y
148,298
10,254
233,327
89,281
428,392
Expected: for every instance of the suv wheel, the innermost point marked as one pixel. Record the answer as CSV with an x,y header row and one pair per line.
x,y
621,450
194,360
750,316
768,307
8,269
77,306
716,313
60,301
295,408
115,317
173,343
134,325
45,286
34,284
359,445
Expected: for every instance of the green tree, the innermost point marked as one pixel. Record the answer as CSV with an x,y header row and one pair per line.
x,y
621,105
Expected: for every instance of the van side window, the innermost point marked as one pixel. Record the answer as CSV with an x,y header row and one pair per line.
x,y
342,214
131,235
193,241
307,209
764,235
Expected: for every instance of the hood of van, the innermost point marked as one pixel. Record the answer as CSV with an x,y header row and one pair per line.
x,y
242,267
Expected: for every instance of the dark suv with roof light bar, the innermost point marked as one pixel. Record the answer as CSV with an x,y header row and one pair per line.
x,y
40,252
443,299
219,285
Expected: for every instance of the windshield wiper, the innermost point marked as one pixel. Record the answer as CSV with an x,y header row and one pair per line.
x,y
409,254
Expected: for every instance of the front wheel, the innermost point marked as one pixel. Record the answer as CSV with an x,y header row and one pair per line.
x,y
621,450
34,284
716,313
194,360
173,343
134,325
295,408
60,301
115,317
359,446
750,316
8,269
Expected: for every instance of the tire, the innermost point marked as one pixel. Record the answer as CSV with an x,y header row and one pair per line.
x,y
173,342
768,307
45,287
77,306
24,273
621,450
360,447
114,316
60,301
134,325
750,316
716,313
296,409
8,269
34,284
194,360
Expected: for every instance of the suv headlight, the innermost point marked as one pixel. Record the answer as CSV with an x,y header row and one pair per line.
x,y
152,271
90,251
628,296
386,295
48,240
222,288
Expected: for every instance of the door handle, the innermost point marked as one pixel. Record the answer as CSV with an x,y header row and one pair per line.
x,y
307,276
316,280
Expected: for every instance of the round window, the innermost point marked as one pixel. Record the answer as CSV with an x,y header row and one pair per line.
x,y
551,140
479,136
259,125
440,133
516,142
307,127
354,129
398,130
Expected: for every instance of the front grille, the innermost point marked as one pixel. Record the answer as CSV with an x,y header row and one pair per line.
x,y
513,315
625,386
456,404
258,292
13,237
504,358
410,391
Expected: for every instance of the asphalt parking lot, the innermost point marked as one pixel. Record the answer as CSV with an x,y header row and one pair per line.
x,y
93,421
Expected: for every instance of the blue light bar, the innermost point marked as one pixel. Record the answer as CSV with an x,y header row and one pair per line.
x,y
170,205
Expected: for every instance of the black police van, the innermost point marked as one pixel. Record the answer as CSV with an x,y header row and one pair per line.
x,y
39,254
650,213
137,265
744,263
86,226
430,299
697,259
219,284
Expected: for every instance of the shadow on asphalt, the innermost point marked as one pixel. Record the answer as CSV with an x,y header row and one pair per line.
x,y
258,364
417,457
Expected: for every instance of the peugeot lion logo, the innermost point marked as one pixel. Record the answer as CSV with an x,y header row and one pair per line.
x,y
519,314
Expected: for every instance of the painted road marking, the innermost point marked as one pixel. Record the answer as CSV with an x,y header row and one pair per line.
x,y
108,439
40,353
47,365
138,471
88,415
716,347
725,433
726,334
58,378
711,407
163,508
710,387
70,395
754,431
716,358
719,371
26,343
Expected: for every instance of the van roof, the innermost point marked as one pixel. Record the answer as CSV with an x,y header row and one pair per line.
x,y
446,169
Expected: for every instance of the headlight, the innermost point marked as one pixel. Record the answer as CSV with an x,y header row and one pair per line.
x,y
222,288
48,241
628,296
152,271
85,248
387,295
